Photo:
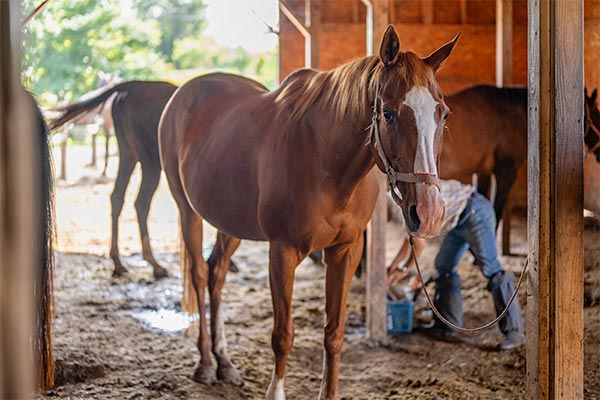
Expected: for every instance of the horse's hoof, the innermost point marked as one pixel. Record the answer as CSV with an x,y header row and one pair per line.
x,y
204,374
119,271
233,267
229,374
160,273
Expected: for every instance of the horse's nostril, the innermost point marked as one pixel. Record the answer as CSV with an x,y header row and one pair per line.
x,y
415,222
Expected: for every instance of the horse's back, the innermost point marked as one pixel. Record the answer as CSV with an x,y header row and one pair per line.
x,y
207,131
486,124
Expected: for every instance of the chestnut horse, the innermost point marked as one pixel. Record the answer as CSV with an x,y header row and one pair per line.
x,y
136,110
295,167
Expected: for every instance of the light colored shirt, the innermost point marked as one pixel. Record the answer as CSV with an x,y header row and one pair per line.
x,y
455,196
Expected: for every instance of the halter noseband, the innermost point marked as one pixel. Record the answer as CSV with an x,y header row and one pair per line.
x,y
394,176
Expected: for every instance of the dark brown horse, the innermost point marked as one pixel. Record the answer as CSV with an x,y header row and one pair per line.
x,y
295,167
136,111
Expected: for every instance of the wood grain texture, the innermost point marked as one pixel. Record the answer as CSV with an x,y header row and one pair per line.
x,y
18,221
555,288
376,287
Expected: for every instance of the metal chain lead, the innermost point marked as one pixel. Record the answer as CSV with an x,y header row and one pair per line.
x,y
450,324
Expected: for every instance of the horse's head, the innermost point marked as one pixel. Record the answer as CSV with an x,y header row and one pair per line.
x,y
592,125
407,130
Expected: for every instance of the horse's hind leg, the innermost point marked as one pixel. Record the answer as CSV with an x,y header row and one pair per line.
x,y
218,265
106,144
150,179
126,165
341,262
191,229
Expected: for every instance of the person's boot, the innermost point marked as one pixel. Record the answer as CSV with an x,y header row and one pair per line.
x,y
502,287
448,301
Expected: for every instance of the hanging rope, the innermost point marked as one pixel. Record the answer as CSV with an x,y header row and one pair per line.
x,y
450,324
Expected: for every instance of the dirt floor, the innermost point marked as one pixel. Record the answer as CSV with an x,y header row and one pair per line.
x,y
126,338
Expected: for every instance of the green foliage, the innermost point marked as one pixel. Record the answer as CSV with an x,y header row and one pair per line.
x,y
205,55
176,19
72,40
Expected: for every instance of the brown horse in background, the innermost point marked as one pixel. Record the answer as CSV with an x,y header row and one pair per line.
x,y
487,135
295,167
136,112
495,119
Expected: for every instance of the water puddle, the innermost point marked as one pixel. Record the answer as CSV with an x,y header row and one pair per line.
x,y
164,320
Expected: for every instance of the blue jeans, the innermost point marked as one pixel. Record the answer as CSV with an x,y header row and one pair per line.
x,y
476,228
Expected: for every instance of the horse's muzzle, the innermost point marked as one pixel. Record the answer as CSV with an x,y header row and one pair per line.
x,y
430,211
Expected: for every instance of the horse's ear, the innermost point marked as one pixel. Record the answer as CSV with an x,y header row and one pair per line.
x,y
594,96
390,47
438,57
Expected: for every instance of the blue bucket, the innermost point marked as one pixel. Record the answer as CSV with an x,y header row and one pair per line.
x,y
400,316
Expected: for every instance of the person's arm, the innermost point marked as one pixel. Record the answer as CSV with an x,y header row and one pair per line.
x,y
395,272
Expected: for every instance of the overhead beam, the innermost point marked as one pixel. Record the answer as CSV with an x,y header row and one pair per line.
x,y
555,200
309,29
427,12
504,40
376,299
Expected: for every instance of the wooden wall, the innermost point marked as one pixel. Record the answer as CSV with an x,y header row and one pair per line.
x,y
343,37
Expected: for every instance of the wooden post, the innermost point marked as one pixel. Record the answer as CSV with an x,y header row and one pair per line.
x,y
304,31
376,299
463,12
427,12
555,281
504,39
17,220
313,23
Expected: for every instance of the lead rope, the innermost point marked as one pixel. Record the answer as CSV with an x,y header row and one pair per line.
x,y
450,324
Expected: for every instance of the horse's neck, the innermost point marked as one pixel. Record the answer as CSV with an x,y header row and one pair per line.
x,y
347,156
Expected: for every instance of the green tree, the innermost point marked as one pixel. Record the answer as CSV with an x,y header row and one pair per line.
x,y
176,19
72,40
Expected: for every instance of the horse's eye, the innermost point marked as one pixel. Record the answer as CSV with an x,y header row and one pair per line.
x,y
389,116
446,115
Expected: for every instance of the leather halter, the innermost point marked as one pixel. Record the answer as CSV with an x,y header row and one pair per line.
x,y
394,176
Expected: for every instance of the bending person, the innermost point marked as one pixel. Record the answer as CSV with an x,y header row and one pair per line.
x,y
470,223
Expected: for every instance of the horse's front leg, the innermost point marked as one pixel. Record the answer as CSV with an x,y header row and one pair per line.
x,y
341,262
283,261
191,229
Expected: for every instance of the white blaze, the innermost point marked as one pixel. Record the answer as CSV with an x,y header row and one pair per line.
x,y
423,105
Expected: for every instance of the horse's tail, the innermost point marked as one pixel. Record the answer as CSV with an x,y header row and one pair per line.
x,y
43,272
44,292
189,300
74,110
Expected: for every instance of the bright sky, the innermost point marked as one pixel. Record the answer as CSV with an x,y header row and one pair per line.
x,y
232,23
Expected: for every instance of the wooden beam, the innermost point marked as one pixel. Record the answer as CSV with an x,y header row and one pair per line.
x,y
392,11
17,218
313,23
35,12
427,11
504,40
376,298
555,225
355,11
369,26
463,12
292,18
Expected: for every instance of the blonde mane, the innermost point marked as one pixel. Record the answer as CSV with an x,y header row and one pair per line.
x,y
348,90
